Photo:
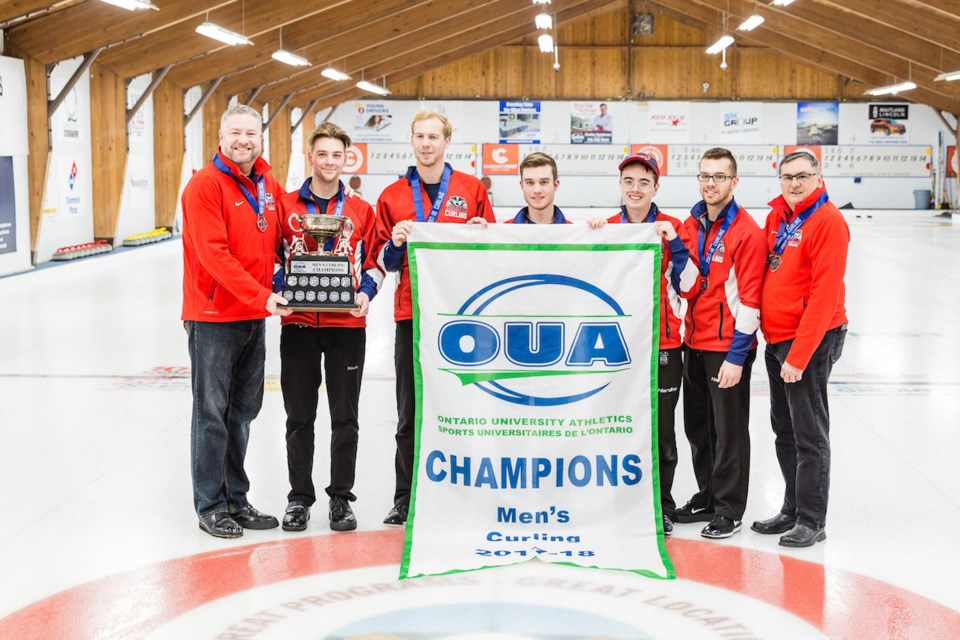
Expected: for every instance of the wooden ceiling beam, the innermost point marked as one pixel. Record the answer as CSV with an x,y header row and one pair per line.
x,y
14,9
322,39
937,22
566,11
805,53
47,40
180,42
438,35
894,68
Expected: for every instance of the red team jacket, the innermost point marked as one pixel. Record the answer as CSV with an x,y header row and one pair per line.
x,y
804,297
466,198
726,315
227,261
679,278
367,275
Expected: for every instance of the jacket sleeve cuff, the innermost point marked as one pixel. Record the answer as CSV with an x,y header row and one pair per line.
x,y
393,255
739,348
367,286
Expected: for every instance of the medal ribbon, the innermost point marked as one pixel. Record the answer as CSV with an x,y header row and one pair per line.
x,y
786,231
651,216
729,213
258,203
338,211
441,194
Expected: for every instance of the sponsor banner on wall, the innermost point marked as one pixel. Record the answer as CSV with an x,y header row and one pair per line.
x,y
888,123
659,152
13,108
740,122
501,159
8,207
394,159
71,200
817,123
536,392
372,122
670,119
519,121
952,161
355,158
590,123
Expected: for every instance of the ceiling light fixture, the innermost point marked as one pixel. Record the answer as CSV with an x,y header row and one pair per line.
x,y
546,43
720,45
543,21
225,36
373,88
292,59
751,23
132,5
948,76
781,3
541,1
891,89
334,74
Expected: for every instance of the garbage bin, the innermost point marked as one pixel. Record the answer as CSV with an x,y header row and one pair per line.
x,y
921,198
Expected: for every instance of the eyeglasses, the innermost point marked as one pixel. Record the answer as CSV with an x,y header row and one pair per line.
x,y
719,178
800,177
629,183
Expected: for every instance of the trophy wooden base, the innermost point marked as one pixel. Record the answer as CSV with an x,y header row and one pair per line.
x,y
318,283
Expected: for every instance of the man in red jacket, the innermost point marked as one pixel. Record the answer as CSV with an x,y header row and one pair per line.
x,y
338,338
639,183
720,347
230,241
431,191
804,321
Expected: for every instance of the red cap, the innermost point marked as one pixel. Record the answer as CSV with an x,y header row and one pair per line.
x,y
645,160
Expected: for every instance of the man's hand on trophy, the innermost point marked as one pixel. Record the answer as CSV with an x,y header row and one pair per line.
x,y
363,306
400,232
276,305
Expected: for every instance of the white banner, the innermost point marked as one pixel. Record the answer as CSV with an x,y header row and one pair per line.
x,y
535,356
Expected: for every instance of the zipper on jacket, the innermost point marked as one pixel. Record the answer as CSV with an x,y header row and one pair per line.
x,y
720,334
666,321
213,290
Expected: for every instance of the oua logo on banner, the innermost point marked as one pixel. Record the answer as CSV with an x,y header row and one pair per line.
x,y
535,351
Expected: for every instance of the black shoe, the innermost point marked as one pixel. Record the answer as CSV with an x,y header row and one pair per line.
x,y
803,536
341,515
249,518
667,526
780,523
397,515
220,525
690,513
721,527
296,516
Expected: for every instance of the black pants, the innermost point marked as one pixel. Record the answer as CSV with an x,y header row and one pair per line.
x,y
668,395
342,351
406,410
717,424
800,417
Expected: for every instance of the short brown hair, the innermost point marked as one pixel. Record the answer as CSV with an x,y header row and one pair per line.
x,y
426,114
719,153
538,159
329,130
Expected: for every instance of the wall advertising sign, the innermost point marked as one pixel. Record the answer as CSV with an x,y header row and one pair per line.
x,y
536,392
519,121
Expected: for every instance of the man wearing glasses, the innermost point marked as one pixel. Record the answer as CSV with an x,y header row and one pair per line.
x,y
804,322
720,347
639,183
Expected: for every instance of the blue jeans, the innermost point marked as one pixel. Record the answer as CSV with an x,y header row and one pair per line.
x,y
800,417
227,371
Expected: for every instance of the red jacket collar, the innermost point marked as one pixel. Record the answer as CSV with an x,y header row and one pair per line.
x,y
260,166
779,204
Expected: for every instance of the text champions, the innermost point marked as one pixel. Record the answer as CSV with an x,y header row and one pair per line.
x,y
534,473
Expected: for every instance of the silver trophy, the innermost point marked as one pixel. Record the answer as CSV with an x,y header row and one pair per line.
x,y
321,280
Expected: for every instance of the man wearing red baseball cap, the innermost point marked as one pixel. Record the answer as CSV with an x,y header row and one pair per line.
x,y
639,183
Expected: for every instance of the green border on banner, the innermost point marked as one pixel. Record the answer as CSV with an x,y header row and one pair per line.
x,y
657,248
